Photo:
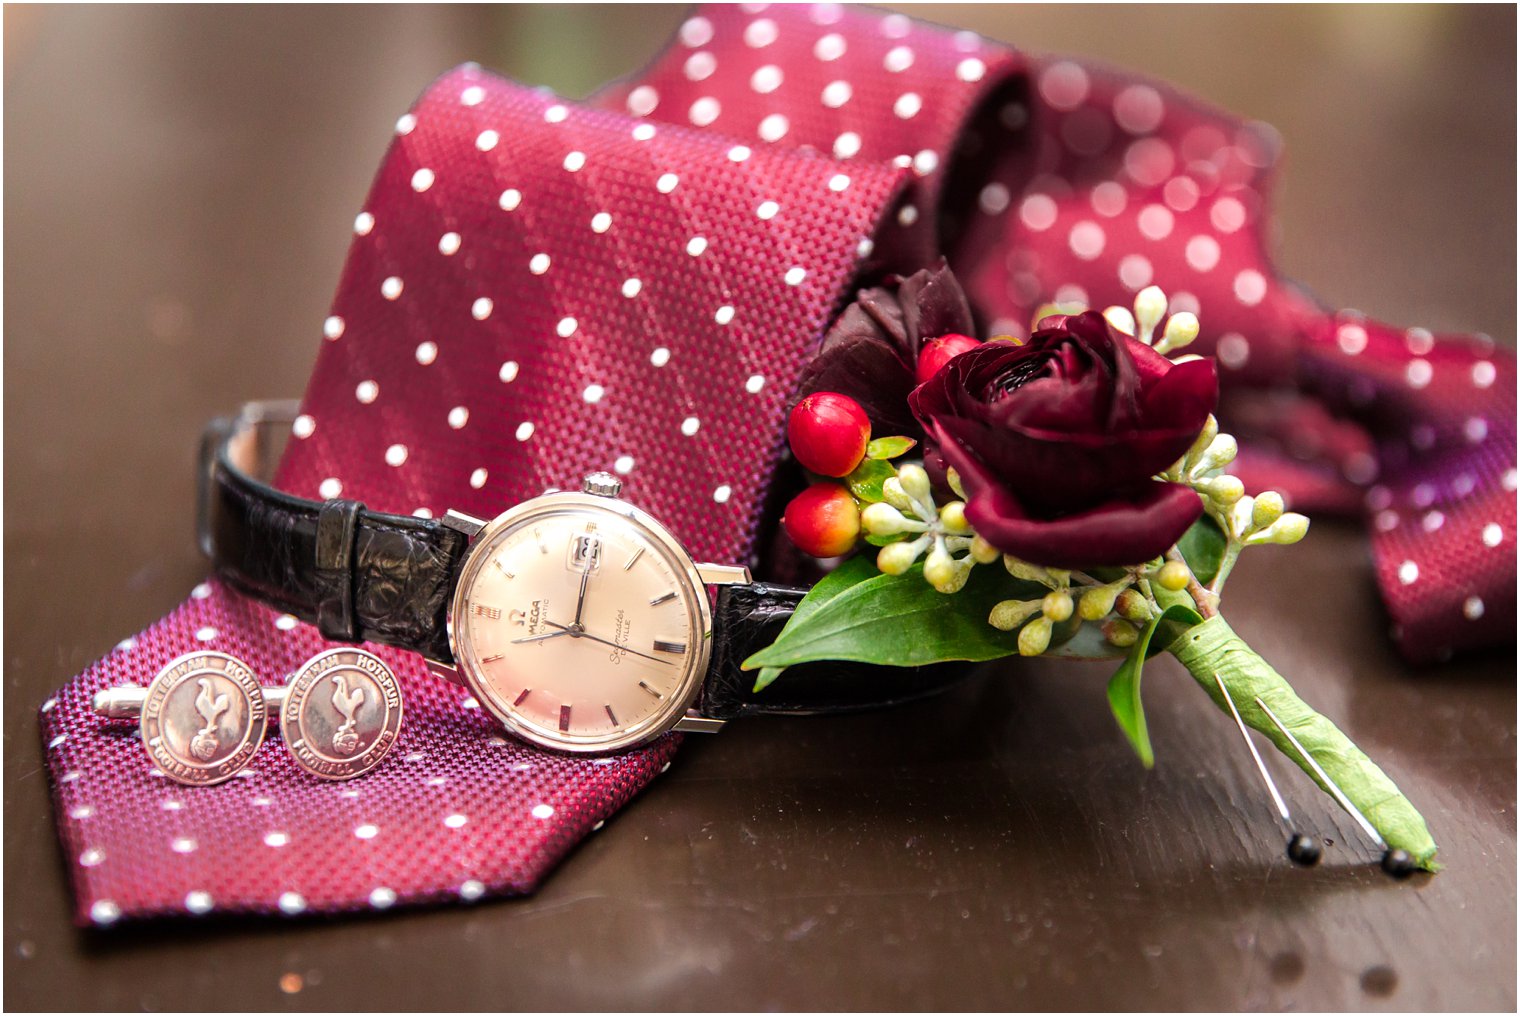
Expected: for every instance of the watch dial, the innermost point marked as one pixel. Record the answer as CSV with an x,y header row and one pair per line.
x,y
578,627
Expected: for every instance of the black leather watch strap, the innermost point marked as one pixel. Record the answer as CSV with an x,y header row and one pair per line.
x,y
357,575
750,617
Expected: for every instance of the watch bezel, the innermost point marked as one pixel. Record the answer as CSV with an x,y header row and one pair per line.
x,y
674,710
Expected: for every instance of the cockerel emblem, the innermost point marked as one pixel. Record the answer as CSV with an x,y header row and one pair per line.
x,y
345,739
205,742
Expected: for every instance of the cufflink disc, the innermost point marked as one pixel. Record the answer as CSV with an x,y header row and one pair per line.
x,y
342,714
203,718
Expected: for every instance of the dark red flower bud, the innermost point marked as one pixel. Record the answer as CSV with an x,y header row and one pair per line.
x,y
938,352
828,433
823,520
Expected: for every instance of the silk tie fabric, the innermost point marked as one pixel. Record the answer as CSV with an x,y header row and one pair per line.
x,y
538,289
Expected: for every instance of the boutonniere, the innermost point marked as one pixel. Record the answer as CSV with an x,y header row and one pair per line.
x,y
1067,495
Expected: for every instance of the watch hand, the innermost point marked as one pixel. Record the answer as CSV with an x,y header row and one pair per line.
x,y
540,638
580,600
587,635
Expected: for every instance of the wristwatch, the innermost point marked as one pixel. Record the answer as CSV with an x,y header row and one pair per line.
x,y
574,618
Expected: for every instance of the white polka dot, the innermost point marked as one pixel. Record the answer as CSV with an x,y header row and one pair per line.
x,y
643,131
508,372
1038,212
382,898
760,33
286,622
182,845
907,105
575,161
367,391
696,246
391,288
754,383
1064,85
405,124
601,222
509,200
198,901
993,199
1419,373
395,455
201,591
478,478
724,314
643,100
1472,608
666,183
292,902
1072,293
557,113
276,839
700,66
838,183
1233,350
970,69
593,393
427,352
92,857
363,223
539,263
367,831
1419,341
723,493
422,513
543,811
481,308
739,153
1181,193
1484,373
1475,429
1227,215
704,111
458,417
624,465
1087,240
1156,222
631,288
1109,198
487,140
1432,521
303,427
422,179
767,210
455,821
795,275
830,47
566,327
471,890
696,32
1409,573
1135,271
330,488
1493,535
659,357
1423,495
836,94
907,215
1360,468
1352,338
472,96
898,59
1202,253
925,162
766,79
1149,161
448,244
690,425
896,26
206,634
774,127
1464,484
1139,109
1250,287
60,739
104,912
1386,520
865,247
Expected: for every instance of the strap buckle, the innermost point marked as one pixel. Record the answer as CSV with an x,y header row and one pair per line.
x,y
245,438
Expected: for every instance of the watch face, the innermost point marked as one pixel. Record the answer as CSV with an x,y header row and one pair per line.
x,y
580,623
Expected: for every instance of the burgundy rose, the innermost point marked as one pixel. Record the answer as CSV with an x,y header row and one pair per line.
x,y
1056,441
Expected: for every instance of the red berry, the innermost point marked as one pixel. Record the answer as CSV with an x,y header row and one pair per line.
x,y
823,520
938,352
828,433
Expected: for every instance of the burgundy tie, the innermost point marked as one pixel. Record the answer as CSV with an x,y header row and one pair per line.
x,y
538,289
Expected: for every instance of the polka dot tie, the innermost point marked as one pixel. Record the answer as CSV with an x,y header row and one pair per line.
x,y
538,289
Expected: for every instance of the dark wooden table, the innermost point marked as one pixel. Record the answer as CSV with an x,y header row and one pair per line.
x,y
179,184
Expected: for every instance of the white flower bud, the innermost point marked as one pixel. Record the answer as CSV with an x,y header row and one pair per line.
x,y
954,480
1120,633
953,517
1220,453
1150,305
1291,528
1121,319
1057,605
939,566
1034,637
1029,572
1097,602
1240,515
1009,614
983,552
1202,441
883,520
1267,509
894,495
896,558
1222,490
1181,330
915,482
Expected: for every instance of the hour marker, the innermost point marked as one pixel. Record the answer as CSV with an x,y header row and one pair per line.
x,y
481,610
650,690
502,568
540,538
634,559
519,700
491,659
662,598
564,717
612,716
661,646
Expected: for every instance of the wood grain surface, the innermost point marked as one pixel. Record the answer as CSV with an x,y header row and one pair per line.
x,y
179,188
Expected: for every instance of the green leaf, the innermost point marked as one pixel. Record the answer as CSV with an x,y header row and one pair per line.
x,y
889,447
899,620
866,479
1202,546
767,675
882,541
1213,648
1124,686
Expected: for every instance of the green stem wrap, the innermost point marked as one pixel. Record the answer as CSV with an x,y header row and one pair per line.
x,y
1213,648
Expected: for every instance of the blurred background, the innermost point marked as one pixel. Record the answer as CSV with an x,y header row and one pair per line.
x,y
180,184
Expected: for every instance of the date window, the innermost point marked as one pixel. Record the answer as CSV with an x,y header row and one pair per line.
x,y
585,554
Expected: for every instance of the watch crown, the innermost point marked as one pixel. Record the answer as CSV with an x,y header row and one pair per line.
x,y
603,485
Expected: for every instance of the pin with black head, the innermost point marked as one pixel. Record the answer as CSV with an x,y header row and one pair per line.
x,y
1302,849
1398,863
